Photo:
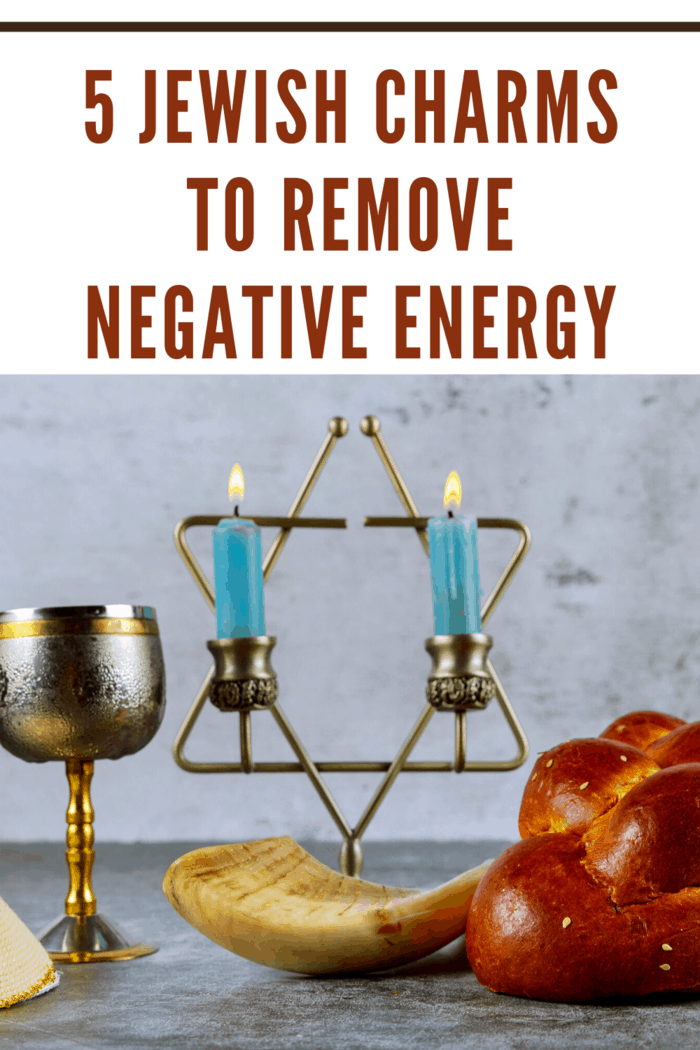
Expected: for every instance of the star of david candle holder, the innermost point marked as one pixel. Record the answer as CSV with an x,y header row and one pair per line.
x,y
243,681
79,684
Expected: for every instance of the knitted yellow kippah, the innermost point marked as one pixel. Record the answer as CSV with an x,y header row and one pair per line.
x,y
25,968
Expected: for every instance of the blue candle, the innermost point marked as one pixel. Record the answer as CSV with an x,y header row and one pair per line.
x,y
454,571
238,576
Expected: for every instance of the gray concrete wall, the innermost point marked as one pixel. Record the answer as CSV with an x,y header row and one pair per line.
x,y
603,617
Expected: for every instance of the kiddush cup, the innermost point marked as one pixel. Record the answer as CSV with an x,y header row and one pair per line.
x,y
77,684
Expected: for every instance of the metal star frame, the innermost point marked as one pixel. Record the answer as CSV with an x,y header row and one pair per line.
x,y
351,851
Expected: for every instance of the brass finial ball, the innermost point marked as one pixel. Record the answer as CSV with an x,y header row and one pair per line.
x,y
370,426
338,426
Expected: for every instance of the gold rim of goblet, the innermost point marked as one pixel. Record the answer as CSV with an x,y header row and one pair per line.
x,y
77,625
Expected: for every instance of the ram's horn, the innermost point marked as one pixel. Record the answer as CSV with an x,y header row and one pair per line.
x,y
272,902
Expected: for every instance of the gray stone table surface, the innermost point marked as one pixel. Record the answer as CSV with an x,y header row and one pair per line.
x,y
194,994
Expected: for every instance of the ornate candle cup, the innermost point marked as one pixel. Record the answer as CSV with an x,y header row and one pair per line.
x,y
243,681
243,676
78,684
459,680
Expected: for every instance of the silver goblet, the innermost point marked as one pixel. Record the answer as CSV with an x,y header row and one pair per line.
x,y
76,684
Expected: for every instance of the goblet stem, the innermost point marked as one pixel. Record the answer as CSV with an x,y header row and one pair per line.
x,y
81,935
79,839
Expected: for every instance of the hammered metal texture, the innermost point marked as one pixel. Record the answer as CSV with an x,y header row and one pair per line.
x,y
83,696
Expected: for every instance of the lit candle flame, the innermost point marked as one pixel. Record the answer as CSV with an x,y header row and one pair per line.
x,y
453,490
236,483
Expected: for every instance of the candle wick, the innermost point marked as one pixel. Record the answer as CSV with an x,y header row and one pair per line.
x,y
450,514
235,513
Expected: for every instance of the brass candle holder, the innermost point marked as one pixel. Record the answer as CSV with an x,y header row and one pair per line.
x,y
462,677
78,684
459,680
243,676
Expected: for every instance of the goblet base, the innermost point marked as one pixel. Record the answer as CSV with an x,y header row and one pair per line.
x,y
89,938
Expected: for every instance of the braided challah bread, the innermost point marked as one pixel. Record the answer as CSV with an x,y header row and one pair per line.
x,y
601,898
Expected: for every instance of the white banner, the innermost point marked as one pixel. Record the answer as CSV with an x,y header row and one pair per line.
x,y
349,202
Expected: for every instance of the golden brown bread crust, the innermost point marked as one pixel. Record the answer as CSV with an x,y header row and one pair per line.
x,y
682,745
519,942
641,728
578,781
650,843
602,896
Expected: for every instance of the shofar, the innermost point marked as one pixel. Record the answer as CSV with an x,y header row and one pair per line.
x,y
272,902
